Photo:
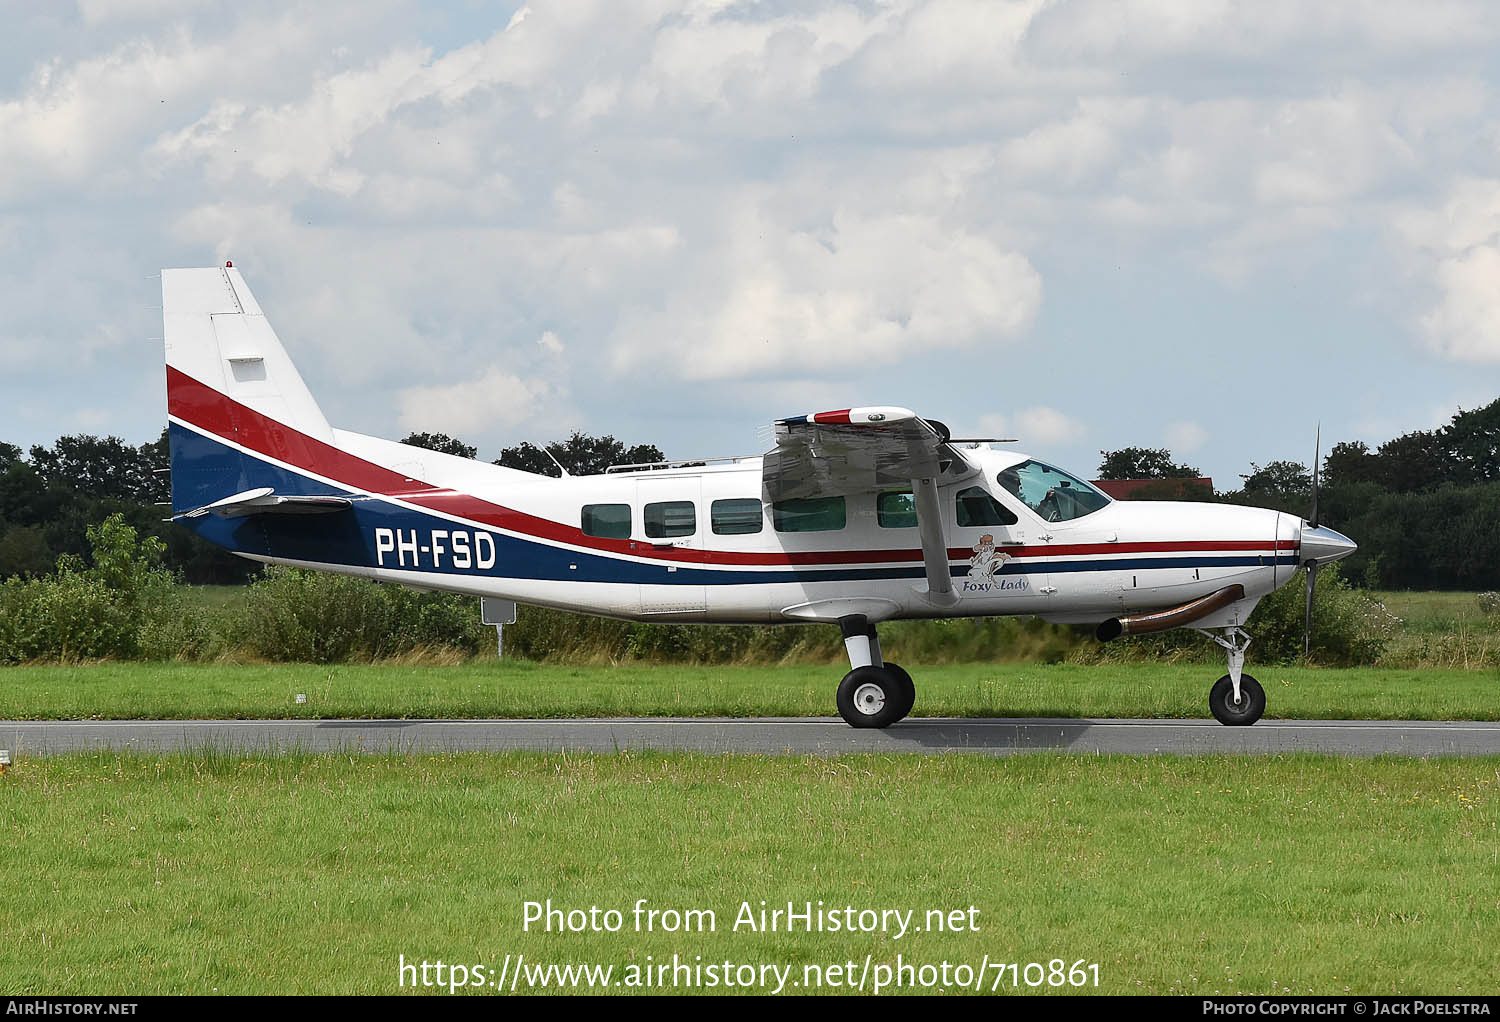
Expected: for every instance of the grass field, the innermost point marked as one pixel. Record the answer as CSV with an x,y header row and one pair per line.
x,y
1431,611
490,688
313,874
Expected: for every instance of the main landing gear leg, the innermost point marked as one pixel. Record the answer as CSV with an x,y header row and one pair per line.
x,y
875,692
1236,699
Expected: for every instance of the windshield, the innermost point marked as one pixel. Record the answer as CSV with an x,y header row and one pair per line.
x,y
1052,493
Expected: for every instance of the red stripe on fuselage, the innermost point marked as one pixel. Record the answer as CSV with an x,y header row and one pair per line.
x,y
205,408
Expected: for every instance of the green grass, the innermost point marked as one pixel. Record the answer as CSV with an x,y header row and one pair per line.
x,y
194,874
490,688
1440,629
1431,611
214,597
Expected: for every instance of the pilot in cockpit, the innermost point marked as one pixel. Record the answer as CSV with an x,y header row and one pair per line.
x,y
1063,498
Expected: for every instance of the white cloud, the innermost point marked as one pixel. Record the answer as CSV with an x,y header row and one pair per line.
x,y
871,291
951,46
1047,426
1457,248
1465,324
307,138
1220,30
70,119
1186,437
472,407
99,12
994,425
1468,215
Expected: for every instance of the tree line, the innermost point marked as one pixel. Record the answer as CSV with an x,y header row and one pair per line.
x,y
1424,507
50,498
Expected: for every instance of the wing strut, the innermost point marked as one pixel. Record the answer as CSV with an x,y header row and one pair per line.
x,y
934,543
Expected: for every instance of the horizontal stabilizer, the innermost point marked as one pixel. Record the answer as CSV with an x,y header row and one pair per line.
x,y
266,501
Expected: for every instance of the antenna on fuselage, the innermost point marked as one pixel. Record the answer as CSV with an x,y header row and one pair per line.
x,y
556,462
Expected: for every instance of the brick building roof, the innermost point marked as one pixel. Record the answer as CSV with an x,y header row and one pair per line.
x,y
1127,489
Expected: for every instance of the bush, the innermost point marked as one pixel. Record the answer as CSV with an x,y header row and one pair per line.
x,y
1349,629
86,612
189,634
319,617
66,616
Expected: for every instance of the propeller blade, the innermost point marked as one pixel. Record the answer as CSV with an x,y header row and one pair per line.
x,y
1317,457
1312,577
1312,522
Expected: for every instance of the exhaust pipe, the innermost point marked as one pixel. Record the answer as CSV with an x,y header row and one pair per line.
x,y
1174,617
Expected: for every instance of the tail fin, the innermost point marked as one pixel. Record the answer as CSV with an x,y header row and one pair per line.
x,y
226,367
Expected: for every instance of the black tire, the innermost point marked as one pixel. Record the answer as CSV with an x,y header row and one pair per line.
x,y
869,697
907,690
1252,701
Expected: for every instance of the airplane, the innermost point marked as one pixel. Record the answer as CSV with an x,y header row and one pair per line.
x,y
856,517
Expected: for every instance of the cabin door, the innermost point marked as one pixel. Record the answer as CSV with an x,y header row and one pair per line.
x,y
669,525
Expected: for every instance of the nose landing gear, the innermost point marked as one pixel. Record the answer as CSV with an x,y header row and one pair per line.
x,y
875,693
1236,699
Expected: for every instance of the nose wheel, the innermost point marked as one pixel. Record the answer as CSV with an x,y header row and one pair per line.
x,y
1236,699
875,693
1237,712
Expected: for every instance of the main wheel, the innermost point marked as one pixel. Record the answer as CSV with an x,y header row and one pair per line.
x,y
907,690
1247,711
869,697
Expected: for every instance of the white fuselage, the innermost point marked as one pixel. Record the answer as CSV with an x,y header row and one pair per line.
x,y
1125,557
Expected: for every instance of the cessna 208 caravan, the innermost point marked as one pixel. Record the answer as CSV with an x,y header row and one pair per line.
x,y
856,517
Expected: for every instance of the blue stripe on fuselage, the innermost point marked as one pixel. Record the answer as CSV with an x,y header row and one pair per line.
x,y
347,538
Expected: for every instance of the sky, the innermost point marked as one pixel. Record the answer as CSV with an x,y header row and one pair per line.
x,y
1088,224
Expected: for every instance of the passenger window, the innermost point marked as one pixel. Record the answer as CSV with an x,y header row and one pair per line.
x,y
671,518
736,516
811,514
976,508
896,510
607,521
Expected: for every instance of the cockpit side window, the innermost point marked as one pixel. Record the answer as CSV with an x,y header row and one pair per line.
x,y
1052,493
975,508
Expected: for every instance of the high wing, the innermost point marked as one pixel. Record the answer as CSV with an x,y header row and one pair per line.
x,y
864,450
855,450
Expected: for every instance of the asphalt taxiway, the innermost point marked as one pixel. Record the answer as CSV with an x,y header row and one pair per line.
x,y
763,736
